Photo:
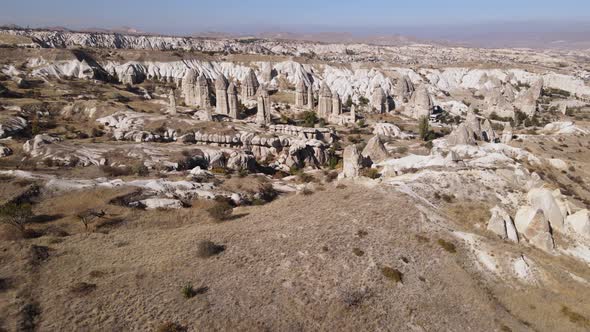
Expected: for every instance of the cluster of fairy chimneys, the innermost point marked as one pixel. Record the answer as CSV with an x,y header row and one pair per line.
x,y
196,92
195,89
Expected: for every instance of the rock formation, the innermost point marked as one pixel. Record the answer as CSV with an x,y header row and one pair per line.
x,y
5,151
249,85
461,136
501,224
487,132
233,103
527,101
324,101
195,89
421,103
375,150
579,223
171,103
351,162
221,106
300,94
378,100
336,104
531,222
353,113
310,103
263,112
507,133
404,89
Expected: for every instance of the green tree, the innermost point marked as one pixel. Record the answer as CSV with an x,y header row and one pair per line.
x,y
16,215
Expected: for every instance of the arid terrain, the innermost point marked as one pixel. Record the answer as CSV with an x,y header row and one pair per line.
x,y
152,183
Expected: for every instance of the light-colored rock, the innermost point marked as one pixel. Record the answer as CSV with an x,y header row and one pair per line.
x,y
12,125
161,203
324,101
378,100
171,103
501,224
5,151
385,129
531,222
301,94
461,136
558,163
233,103
336,104
249,85
375,150
579,223
487,132
351,162
421,103
404,89
543,199
221,104
263,112
507,134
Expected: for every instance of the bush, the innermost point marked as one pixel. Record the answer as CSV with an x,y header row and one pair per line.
x,y
267,192
141,170
363,101
208,249
16,215
371,173
392,274
188,291
221,210
171,327
447,246
309,119
423,128
116,171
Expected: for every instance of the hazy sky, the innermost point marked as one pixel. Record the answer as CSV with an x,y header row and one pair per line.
x,y
187,16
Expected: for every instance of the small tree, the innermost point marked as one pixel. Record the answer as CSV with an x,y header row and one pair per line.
x,y
423,128
16,215
348,103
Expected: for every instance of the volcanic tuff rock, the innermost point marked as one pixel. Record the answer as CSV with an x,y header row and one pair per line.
x,y
221,102
351,162
421,103
379,100
263,110
324,101
375,150
233,103
300,94
249,85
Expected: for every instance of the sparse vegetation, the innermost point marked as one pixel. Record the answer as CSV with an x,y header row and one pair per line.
x,y
206,249
16,215
221,209
392,274
447,246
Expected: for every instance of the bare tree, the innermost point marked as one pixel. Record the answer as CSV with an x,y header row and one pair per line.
x,y
87,216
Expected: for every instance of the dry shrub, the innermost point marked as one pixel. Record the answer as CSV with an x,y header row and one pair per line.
x,y
469,213
575,317
447,246
82,288
358,252
171,327
392,274
208,249
220,210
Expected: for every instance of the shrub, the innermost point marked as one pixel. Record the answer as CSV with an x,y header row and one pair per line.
x,y
208,249
83,288
423,128
267,192
309,119
358,252
363,101
371,173
221,210
331,176
392,274
16,215
141,170
116,171
188,291
402,149
304,177
307,191
171,327
447,246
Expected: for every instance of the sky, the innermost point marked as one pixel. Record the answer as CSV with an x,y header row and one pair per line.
x,y
193,16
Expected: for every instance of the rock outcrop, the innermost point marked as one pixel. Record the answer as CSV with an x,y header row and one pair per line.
x,y
263,111
375,150
336,104
250,85
324,101
579,223
221,102
171,103
5,151
233,103
300,94
461,135
385,129
351,162
195,89
507,133
531,222
11,126
310,101
379,100
501,224
404,89
421,103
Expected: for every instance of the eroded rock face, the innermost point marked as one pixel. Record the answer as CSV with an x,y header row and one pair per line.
x,y
300,94
325,101
544,200
404,89
507,134
421,103
250,85
221,103
233,103
531,222
579,223
263,112
385,129
336,104
487,132
461,136
351,162
501,224
195,89
375,150
379,100
527,101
